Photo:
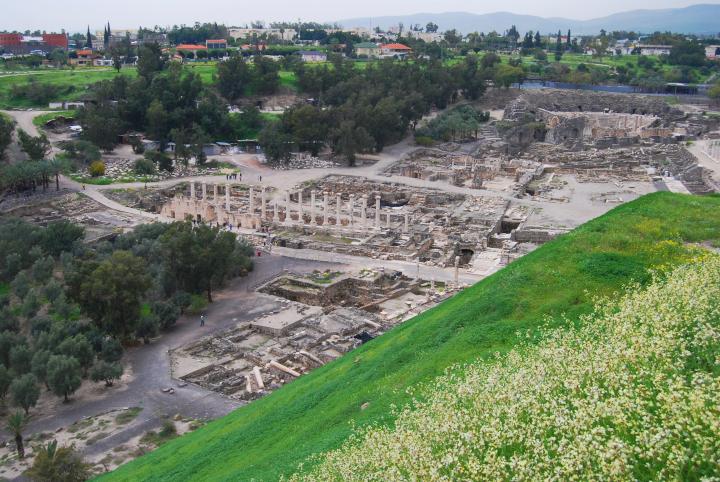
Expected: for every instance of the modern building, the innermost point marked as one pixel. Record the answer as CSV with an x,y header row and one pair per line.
x,y
654,49
98,43
712,52
9,40
190,48
395,50
217,44
312,56
17,43
153,38
267,33
85,57
367,49
428,37
56,40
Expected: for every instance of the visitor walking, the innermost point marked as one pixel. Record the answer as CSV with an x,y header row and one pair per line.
x,y
202,319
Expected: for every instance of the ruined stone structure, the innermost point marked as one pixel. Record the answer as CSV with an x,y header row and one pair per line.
x,y
306,332
239,208
466,170
583,101
220,209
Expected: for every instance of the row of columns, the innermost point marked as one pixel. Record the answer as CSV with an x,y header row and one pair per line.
x,y
350,207
299,208
204,195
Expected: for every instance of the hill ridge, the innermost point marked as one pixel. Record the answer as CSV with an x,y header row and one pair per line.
x,y
693,19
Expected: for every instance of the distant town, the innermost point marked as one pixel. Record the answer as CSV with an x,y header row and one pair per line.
x,y
313,42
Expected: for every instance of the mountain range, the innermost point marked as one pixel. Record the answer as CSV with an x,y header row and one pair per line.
x,y
695,19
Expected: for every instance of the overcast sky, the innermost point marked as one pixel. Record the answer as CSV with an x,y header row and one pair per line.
x,y
75,15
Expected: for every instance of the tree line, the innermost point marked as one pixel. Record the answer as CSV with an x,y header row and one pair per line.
x,y
363,110
67,309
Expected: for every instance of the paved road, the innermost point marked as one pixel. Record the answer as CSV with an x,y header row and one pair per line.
x,y
408,268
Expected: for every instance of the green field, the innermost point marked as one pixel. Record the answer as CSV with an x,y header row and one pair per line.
x,y
79,79
607,62
289,80
313,414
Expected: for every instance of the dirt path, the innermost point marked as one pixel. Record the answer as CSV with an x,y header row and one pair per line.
x,y
23,120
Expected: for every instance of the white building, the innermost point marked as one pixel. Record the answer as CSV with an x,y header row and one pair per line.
x,y
281,34
654,49
428,37
312,56
712,52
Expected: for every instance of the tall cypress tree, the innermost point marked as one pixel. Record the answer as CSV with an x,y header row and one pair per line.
x,y
89,38
106,35
558,47
567,43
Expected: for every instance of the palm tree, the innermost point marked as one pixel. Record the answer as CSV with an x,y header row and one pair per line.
x,y
15,425
55,167
58,464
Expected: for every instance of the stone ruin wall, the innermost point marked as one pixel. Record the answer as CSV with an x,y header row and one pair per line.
x,y
578,101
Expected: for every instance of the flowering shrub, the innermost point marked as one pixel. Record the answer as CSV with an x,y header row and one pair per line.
x,y
97,168
630,394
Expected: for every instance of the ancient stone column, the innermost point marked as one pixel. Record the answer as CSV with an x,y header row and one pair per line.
x,y
387,219
192,190
312,208
204,191
457,272
301,214
227,197
215,194
377,212
276,218
407,223
288,220
351,209
337,210
251,201
432,284
363,211
263,202
326,208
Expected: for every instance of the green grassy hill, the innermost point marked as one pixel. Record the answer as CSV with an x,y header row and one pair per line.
x,y
272,436
631,394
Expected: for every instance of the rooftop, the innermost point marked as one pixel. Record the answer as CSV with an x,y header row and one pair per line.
x,y
366,45
396,47
190,47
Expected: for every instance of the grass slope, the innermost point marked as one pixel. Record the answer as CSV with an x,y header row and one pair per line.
x,y
313,414
629,395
